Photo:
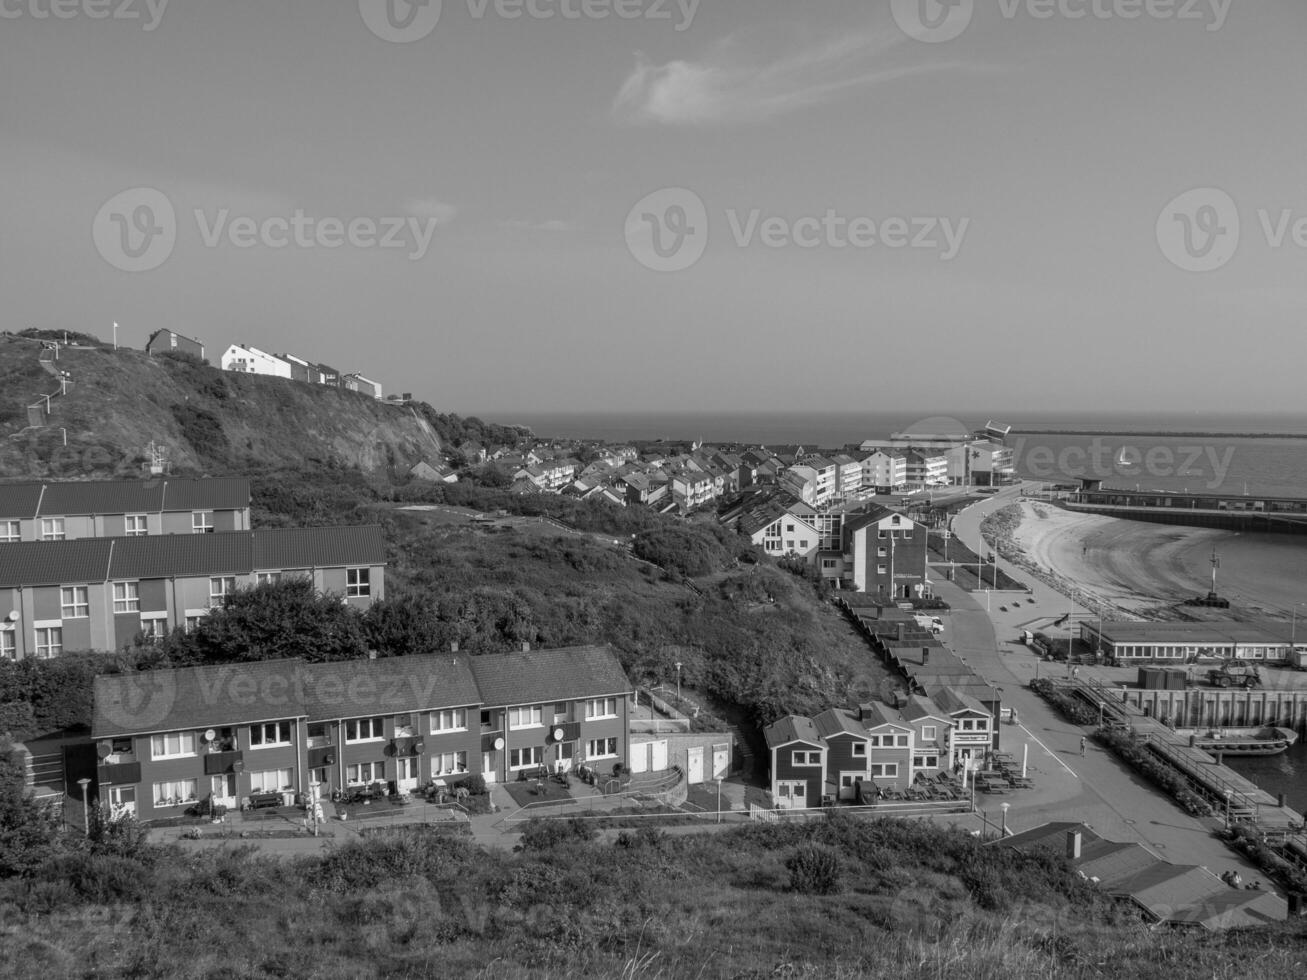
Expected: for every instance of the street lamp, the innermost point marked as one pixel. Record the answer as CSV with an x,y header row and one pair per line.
x,y
719,799
86,806
1004,807
678,680
1101,706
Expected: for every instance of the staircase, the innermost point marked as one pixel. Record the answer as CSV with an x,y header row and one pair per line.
x,y
38,413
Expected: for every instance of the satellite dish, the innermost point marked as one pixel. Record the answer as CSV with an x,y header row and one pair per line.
x,y
104,749
499,744
13,616
558,734
210,735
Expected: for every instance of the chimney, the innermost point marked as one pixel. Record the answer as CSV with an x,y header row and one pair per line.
x,y
925,656
453,647
526,647
1073,840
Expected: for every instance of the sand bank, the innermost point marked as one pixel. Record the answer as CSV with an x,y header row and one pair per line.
x,y
1138,567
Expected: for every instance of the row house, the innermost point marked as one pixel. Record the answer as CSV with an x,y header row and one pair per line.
x,y
244,359
645,488
550,475
100,593
801,481
850,754
113,508
363,386
162,341
274,729
885,553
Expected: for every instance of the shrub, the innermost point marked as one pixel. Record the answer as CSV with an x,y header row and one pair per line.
x,y
476,784
814,870
545,835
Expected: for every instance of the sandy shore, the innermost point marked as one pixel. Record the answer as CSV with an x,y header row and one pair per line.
x,y
1139,568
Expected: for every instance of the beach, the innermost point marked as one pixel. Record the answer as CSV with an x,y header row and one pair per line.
x,y
1141,568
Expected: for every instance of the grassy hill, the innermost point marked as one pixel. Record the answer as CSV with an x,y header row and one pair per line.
x,y
211,421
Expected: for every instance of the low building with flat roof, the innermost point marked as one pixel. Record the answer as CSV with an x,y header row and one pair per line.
x,y
1186,642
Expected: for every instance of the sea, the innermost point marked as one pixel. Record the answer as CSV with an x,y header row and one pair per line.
x,y
1227,454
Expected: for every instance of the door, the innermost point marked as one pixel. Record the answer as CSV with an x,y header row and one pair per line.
x,y
658,756
565,753
122,802
488,766
407,774
223,789
721,761
695,765
792,795
848,787
640,758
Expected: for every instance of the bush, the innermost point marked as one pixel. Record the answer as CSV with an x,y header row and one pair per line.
x,y
545,835
476,784
1127,747
1071,708
814,870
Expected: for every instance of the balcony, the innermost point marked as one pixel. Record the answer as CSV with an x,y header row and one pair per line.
x,y
119,774
221,763
321,741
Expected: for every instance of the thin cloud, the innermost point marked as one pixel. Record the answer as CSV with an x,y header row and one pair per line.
x,y
431,208
734,85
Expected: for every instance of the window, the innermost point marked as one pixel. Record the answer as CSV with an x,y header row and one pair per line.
x,y
888,770
807,758
202,522
793,790
454,720
175,792
881,569
859,750
404,726
272,781
173,745
525,718
267,578
74,603
601,748
219,589
192,623
49,642
137,527
448,764
901,741
365,772
126,597
926,761
52,529
524,758
10,531
789,528
269,734
358,583
155,628
882,552
601,708
8,644
929,733
803,542
365,730
789,543
485,719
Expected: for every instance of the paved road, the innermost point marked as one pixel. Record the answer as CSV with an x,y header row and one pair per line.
x,y
1096,788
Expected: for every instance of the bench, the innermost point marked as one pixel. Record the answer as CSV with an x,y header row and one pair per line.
x,y
261,801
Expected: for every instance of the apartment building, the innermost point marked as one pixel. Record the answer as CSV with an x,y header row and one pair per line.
x,y
170,739
250,360
885,554
169,340
885,470
135,508
100,593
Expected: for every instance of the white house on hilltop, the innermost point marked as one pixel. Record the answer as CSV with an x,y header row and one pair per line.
x,y
251,360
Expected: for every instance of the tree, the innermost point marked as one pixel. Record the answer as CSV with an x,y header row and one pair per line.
x,y
402,626
276,621
29,832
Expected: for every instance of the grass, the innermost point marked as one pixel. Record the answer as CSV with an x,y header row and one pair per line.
x,y
526,793
703,798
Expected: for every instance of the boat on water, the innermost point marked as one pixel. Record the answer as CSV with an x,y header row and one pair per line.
x,y
1267,740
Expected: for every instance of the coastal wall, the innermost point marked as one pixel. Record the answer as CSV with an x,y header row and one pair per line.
x,y
1215,707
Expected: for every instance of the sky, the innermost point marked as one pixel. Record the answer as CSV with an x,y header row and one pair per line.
x,y
730,205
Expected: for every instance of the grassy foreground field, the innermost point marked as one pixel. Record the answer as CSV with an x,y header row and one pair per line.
x,y
842,898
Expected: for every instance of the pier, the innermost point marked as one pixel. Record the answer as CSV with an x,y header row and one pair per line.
x,y
1231,794
1274,515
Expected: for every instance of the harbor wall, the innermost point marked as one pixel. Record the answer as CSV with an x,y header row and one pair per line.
x,y
1220,708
